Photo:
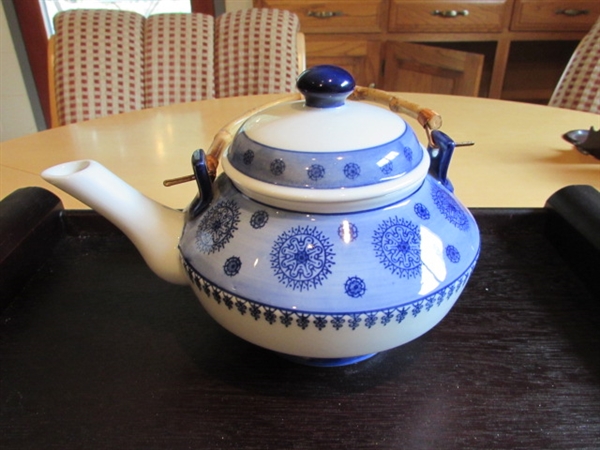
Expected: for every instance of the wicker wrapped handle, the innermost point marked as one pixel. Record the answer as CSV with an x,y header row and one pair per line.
x,y
429,119
425,116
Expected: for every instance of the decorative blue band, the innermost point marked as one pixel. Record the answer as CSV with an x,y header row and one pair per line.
x,y
304,319
325,170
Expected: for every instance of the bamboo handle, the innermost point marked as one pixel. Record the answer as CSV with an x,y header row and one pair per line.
x,y
425,116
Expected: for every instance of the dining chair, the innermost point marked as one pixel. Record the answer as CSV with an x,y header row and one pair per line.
x,y
257,51
579,85
179,58
96,60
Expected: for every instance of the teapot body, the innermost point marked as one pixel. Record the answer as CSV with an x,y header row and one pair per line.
x,y
330,287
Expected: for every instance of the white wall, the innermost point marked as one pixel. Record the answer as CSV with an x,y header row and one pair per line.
x,y
16,115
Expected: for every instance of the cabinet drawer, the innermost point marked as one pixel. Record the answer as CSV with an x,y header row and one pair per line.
x,y
334,16
555,15
447,16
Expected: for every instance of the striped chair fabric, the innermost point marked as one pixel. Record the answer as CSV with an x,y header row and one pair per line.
x,y
579,86
178,59
98,63
256,52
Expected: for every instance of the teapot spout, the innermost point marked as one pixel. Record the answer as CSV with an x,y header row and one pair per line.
x,y
153,228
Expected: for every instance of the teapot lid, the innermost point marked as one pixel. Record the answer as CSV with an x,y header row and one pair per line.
x,y
324,152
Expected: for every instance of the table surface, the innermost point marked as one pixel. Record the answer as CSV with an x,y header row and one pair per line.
x,y
518,159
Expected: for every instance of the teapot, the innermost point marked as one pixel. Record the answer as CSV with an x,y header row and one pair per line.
x,y
322,229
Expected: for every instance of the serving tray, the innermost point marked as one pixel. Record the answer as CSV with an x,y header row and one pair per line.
x,y
98,352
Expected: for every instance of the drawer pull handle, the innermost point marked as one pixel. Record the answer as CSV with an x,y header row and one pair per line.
x,y
450,13
324,14
573,12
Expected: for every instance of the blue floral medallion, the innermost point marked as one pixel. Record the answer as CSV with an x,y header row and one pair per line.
x,y
453,254
301,258
232,266
421,211
355,287
316,172
351,171
259,219
450,209
347,231
277,167
397,244
408,154
387,168
248,157
217,226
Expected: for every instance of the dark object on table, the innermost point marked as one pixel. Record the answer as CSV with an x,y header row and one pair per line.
x,y
98,352
586,141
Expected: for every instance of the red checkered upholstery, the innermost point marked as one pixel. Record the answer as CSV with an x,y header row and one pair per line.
x,y
255,52
109,61
98,63
178,58
579,86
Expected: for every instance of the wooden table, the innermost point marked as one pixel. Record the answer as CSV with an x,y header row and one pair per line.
x,y
518,160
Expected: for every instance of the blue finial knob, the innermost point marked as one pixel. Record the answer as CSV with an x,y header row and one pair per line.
x,y
325,86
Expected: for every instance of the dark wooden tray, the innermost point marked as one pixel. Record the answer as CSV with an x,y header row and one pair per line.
x,y
97,352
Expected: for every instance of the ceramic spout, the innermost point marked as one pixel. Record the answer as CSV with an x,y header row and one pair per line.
x,y
153,228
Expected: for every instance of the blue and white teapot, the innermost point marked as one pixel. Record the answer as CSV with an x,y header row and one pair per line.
x,y
330,235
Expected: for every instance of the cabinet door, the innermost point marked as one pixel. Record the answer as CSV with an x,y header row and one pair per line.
x,y
360,57
424,68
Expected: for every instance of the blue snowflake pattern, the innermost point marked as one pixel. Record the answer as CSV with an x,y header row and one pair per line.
x,y
337,322
241,307
286,318
387,317
371,320
450,209
248,157
259,219
351,171
416,308
320,322
387,168
218,226
301,258
270,316
354,321
228,301
401,315
303,321
348,232
315,172
453,254
408,154
277,167
232,266
355,287
397,244
421,211
255,311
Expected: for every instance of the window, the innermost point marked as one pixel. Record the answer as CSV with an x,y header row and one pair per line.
x,y
144,7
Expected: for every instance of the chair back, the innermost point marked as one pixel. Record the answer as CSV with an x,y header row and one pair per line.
x,y
98,60
178,56
579,85
256,52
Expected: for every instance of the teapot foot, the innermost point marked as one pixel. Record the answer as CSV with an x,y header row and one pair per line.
x,y
327,362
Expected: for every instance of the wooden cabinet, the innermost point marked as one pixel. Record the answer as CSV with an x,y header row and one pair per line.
x,y
525,44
